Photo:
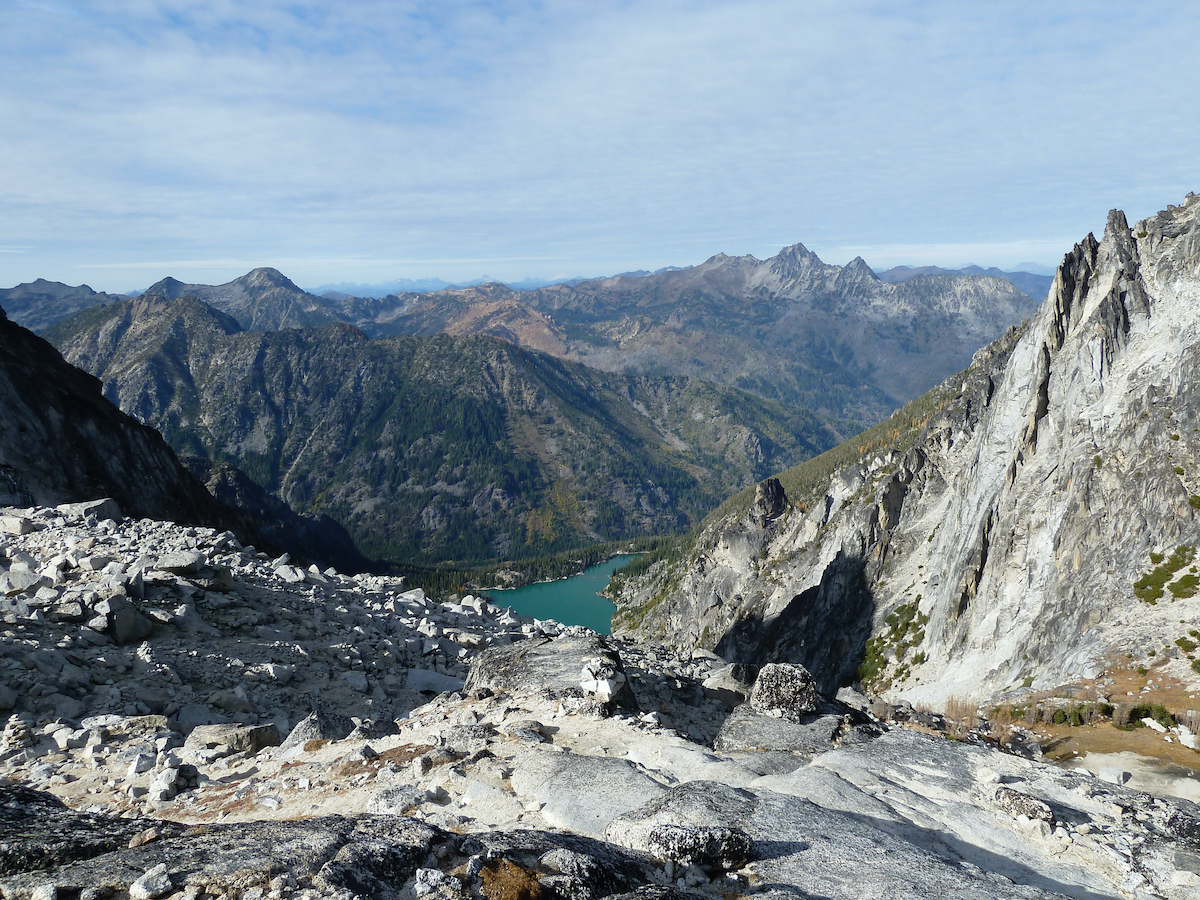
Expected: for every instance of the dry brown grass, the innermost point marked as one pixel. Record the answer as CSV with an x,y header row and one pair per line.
x,y
1127,685
503,879
401,755
960,715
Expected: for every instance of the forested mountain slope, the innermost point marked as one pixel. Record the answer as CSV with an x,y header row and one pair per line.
x,y
436,449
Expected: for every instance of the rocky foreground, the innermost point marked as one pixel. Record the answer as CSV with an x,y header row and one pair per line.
x,y
189,718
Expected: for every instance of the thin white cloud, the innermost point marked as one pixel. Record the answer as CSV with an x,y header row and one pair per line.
x,y
309,261
439,136
952,256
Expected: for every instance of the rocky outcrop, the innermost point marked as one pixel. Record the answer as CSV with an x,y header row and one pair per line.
x,y
1017,525
770,501
118,607
62,442
521,785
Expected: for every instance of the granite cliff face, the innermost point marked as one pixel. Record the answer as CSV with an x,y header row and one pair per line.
x,y
62,442
991,534
437,448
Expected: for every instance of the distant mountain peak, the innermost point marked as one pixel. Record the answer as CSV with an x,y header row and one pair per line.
x,y
268,275
797,251
40,303
168,287
858,267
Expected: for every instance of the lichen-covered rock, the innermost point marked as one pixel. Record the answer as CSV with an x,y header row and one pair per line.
x,y
1017,804
372,856
38,832
747,730
709,846
785,691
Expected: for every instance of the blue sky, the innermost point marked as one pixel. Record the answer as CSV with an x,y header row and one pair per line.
x,y
378,140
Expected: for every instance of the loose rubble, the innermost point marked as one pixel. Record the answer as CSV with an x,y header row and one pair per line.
x,y
189,719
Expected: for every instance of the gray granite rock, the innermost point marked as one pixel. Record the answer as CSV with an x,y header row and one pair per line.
x,y
547,665
372,856
746,729
582,794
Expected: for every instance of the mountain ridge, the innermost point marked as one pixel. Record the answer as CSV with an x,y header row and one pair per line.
x,y
40,303
1035,284
791,328
62,442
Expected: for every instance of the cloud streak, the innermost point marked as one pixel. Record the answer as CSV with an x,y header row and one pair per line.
x,y
601,137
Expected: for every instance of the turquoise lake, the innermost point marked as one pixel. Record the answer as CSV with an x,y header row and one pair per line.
x,y
571,601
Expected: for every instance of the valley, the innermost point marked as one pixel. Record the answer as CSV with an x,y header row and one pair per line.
x,y
662,394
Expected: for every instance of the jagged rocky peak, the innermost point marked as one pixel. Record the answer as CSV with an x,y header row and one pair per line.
x,y
726,262
260,278
794,261
261,300
1016,526
858,269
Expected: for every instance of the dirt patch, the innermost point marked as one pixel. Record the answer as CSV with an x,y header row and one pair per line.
x,y
397,756
1061,743
503,879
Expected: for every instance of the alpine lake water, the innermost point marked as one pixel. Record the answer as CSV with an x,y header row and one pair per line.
x,y
571,601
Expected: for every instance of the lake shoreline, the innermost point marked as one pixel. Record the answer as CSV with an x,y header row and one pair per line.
x,y
572,600
610,557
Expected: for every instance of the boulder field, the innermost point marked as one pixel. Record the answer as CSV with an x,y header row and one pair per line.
x,y
189,718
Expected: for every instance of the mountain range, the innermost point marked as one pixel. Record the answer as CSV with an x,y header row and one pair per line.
x,y
39,304
1035,284
838,340
266,381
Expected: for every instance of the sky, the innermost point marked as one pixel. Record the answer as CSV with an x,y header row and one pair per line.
x,y
370,141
